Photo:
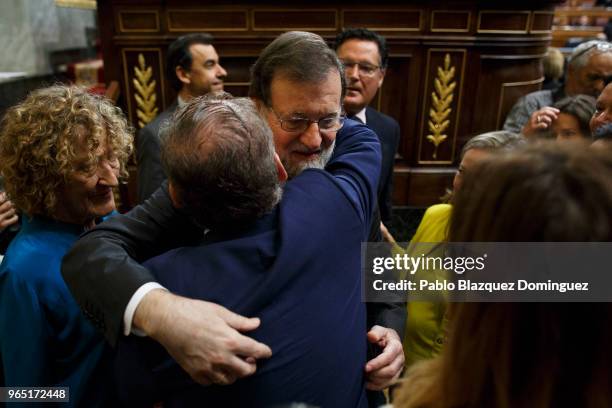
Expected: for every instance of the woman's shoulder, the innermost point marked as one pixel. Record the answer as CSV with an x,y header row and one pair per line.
x,y
433,226
438,211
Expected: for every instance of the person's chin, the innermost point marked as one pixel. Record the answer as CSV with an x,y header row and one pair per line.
x,y
353,104
100,208
301,162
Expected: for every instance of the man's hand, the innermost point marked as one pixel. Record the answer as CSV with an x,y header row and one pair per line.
x,y
385,369
540,120
202,337
8,215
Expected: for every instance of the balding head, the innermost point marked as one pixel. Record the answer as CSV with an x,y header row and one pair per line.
x,y
220,161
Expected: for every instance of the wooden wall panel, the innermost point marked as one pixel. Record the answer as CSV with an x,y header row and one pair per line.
x,y
192,20
503,22
238,74
450,21
398,97
383,20
502,84
138,21
541,22
287,19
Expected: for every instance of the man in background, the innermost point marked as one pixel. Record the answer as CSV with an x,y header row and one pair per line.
x,y
193,69
364,55
589,67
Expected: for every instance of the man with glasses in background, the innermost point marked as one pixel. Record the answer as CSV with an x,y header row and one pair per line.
x,y
298,86
364,55
589,69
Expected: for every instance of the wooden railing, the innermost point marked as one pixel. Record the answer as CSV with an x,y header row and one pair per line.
x,y
563,29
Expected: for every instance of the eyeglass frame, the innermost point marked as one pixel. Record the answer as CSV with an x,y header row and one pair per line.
x,y
351,64
341,116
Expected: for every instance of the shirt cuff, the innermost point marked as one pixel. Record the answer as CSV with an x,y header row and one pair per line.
x,y
130,309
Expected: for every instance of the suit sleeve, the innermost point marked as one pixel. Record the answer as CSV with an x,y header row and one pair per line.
x,y
386,314
356,163
103,268
150,171
356,167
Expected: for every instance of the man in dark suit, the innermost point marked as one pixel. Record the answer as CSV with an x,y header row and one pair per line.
x,y
364,55
104,272
304,284
193,69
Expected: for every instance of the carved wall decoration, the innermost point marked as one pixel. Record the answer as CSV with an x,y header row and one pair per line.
x,y
441,101
146,98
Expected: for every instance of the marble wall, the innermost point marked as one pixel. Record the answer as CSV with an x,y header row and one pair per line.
x,y
30,29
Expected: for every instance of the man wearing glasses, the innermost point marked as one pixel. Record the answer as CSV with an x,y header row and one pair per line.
x,y
364,56
589,69
297,86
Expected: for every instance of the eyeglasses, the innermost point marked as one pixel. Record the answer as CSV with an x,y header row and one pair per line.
x,y
601,46
330,123
365,69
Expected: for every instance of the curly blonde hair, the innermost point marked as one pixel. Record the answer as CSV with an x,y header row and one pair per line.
x,y
39,139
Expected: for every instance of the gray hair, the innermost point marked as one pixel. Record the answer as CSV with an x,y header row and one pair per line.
x,y
581,54
298,55
219,155
581,107
496,140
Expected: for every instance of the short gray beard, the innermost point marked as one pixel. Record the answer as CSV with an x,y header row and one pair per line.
x,y
294,169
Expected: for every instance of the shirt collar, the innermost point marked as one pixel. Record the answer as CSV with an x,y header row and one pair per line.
x,y
362,115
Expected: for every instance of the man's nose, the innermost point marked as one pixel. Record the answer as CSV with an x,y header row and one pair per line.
x,y
352,71
311,137
221,73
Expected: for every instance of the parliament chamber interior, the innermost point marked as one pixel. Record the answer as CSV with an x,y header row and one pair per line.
x,y
306,204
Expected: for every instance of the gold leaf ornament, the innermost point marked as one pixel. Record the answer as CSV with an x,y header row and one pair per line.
x,y
145,96
441,100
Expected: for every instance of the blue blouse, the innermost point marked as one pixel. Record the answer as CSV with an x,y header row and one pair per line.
x,y
44,338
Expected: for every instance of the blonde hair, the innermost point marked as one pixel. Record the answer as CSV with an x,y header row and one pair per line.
x,y
553,63
39,139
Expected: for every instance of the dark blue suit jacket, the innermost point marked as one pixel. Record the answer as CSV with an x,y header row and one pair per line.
x,y
299,270
388,132
151,173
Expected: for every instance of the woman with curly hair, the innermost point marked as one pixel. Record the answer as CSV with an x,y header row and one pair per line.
x,y
62,151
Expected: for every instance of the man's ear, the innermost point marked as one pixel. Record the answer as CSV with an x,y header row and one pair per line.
x,y
175,196
183,75
383,71
282,173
